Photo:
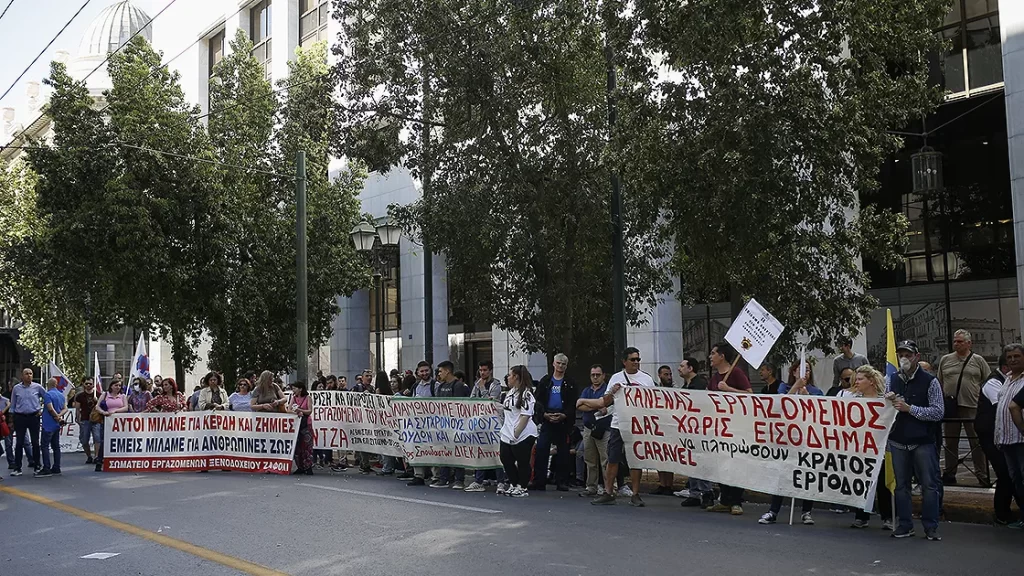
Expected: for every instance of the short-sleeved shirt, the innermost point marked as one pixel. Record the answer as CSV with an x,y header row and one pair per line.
x,y
56,399
975,373
641,378
86,402
737,379
512,415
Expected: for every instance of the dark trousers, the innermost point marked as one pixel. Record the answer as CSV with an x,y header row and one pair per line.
x,y
516,460
730,495
883,500
1004,484
557,434
777,501
26,424
1014,454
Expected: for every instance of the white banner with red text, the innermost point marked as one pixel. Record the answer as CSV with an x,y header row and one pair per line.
x,y
358,421
189,441
811,447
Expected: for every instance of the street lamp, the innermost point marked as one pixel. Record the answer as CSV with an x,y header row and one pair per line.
x,y
379,244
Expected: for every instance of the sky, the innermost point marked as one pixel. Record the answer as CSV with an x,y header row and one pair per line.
x,y
30,24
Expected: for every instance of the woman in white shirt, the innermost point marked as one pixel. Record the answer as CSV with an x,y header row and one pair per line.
x,y
518,432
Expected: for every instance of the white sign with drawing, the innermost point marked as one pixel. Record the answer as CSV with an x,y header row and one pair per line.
x,y
753,333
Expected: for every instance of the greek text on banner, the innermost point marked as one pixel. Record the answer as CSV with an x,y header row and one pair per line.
x,y
354,421
183,441
459,432
812,447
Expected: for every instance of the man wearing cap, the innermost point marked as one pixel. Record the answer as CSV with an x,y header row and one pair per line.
x,y
917,396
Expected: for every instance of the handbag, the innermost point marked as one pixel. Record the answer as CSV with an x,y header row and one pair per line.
x,y
96,417
949,403
5,430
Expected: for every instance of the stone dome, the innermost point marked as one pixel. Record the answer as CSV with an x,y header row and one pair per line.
x,y
113,27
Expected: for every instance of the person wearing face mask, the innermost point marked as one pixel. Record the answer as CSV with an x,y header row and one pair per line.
x,y
917,396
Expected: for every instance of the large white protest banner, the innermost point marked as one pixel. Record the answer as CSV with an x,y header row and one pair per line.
x,y
354,421
459,432
811,447
753,333
184,441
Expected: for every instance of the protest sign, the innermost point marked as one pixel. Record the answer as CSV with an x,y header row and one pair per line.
x,y
459,432
69,433
753,333
811,447
184,441
354,421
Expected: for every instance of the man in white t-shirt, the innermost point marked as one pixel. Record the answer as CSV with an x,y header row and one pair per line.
x,y
630,376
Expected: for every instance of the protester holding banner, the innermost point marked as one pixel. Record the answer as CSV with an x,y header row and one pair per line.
x,y
240,400
138,399
804,385
27,407
110,403
267,397
424,388
725,379
168,399
631,375
917,396
213,396
302,407
869,383
518,433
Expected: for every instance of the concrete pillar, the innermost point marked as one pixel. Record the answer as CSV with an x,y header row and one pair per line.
x,y
284,28
1011,20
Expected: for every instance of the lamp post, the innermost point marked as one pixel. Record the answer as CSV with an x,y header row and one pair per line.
x,y
379,245
928,184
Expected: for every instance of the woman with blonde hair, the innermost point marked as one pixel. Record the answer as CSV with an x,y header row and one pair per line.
x,y
267,396
869,383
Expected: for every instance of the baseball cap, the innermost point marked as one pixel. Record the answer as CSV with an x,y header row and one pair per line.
x,y
908,345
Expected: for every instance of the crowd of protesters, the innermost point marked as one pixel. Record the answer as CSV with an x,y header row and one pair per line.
x,y
556,433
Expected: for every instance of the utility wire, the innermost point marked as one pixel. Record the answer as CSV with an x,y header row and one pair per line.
x,y
43,51
4,13
205,160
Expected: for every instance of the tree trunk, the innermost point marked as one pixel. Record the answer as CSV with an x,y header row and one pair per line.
x,y
177,341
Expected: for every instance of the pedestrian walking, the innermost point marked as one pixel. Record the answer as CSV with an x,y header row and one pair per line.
x,y
518,432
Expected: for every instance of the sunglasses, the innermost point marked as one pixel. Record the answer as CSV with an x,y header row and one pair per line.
x,y
597,375
637,359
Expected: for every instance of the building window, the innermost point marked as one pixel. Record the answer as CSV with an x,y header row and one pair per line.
x,y
973,62
386,306
259,32
312,22
216,51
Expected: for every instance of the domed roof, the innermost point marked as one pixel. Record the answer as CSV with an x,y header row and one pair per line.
x,y
113,27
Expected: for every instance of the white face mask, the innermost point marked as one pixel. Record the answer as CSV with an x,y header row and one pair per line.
x,y
905,364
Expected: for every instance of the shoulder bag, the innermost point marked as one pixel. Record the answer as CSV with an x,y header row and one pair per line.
x,y
950,403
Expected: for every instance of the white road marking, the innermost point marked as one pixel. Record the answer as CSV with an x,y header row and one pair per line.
x,y
403,499
100,555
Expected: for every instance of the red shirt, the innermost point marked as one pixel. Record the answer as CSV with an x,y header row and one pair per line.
x,y
737,379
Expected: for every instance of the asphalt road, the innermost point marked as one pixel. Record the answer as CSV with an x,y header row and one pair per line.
x,y
364,525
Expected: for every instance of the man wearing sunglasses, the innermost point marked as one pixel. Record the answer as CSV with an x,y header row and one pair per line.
x,y
631,375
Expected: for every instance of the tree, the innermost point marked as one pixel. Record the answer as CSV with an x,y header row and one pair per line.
x,y
254,320
501,110
770,122
28,292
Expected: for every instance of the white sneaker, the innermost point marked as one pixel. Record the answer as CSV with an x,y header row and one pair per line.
x,y
626,492
502,489
458,486
519,492
806,519
767,518
476,487
600,490
682,494
887,525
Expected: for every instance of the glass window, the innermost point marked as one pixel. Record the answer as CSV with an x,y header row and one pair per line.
x,y
259,22
216,50
312,21
984,52
973,60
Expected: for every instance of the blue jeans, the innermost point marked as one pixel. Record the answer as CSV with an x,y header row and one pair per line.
x,y
51,440
388,464
497,474
88,430
9,447
922,462
698,488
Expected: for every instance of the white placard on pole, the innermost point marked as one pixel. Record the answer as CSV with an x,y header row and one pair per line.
x,y
753,333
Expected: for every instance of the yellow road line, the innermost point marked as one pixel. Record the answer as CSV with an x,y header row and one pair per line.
x,y
186,547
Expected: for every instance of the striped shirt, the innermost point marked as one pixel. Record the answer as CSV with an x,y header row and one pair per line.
x,y
1006,432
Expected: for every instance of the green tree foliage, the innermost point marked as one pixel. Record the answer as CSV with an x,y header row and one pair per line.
x,y
49,331
767,123
500,109
253,324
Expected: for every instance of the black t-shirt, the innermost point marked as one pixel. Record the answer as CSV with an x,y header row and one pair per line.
x,y
1019,398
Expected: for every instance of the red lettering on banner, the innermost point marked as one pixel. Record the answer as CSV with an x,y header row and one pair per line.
x,y
650,426
876,415
716,398
857,419
663,452
790,409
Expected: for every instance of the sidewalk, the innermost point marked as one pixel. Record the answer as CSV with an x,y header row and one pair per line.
x,y
961,504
